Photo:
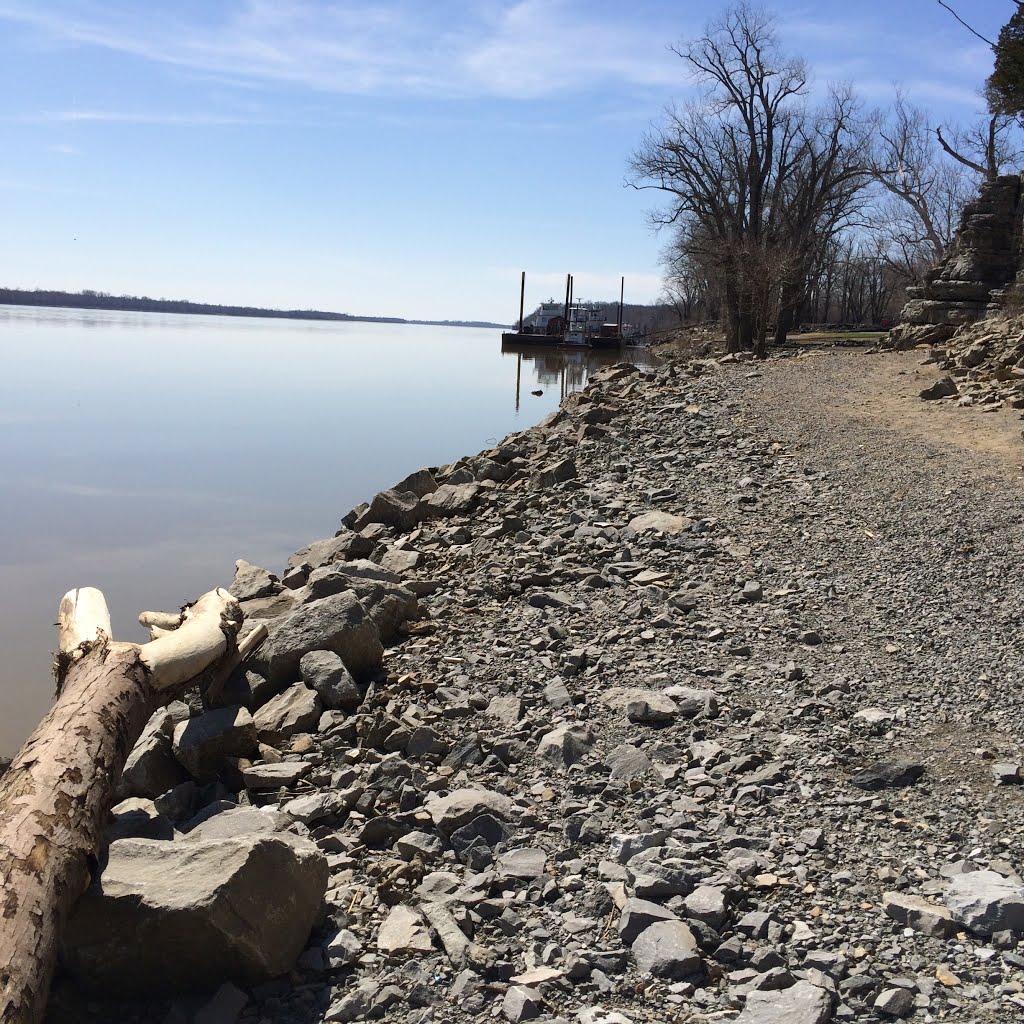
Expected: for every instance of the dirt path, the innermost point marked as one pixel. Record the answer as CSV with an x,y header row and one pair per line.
x,y
883,390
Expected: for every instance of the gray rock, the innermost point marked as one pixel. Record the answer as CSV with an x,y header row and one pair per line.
x,y
354,1005
223,1007
638,915
627,762
917,913
463,805
237,821
152,768
403,932
137,818
667,949
707,903
424,844
251,582
171,917
345,545
662,522
377,589
565,745
985,902
804,1003
945,387
200,744
338,623
895,1003
553,473
653,709
401,560
402,510
887,775
421,483
451,500
325,672
694,703
296,709
343,949
273,776
658,878
521,1003
524,865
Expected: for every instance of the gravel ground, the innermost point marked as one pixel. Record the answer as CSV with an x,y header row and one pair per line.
x,y
785,693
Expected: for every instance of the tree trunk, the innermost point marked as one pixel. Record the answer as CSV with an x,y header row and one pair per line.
x,y
57,793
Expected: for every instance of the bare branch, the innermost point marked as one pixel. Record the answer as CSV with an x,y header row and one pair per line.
x,y
988,42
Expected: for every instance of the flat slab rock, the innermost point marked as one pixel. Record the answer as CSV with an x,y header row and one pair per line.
x,y
662,522
403,932
463,805
986,902
804,1003
917,913
887,775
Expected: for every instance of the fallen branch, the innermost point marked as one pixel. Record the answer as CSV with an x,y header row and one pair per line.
x,y
57,793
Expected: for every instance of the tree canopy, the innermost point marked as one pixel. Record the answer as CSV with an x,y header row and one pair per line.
x,y
1005,86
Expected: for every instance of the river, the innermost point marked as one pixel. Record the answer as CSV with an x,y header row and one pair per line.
x,y
143,453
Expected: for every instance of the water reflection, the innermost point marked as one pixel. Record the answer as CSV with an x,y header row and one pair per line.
x,y
563,368
143,453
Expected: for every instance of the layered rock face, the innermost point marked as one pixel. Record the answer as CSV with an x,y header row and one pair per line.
x,y
971,282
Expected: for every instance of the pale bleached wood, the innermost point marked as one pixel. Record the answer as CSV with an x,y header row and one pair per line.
x,y
200,640
82,618
56,795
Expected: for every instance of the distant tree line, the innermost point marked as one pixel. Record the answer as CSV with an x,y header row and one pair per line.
x,y
779,213
89,299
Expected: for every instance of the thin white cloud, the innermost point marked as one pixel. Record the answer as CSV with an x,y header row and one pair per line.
x,y
143,117
528,48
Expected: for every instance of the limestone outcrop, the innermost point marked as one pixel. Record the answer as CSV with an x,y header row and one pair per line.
x,y
973,281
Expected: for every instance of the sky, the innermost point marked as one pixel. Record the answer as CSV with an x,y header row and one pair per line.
x,y
385,157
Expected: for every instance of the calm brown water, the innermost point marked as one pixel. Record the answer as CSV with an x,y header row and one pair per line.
x,y
144,453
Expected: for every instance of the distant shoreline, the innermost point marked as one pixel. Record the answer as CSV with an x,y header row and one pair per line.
x,y
143,304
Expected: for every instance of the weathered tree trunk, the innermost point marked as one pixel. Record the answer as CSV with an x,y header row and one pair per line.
x,y
57,793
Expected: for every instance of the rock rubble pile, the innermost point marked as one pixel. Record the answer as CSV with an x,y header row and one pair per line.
x,y
556,735
984,365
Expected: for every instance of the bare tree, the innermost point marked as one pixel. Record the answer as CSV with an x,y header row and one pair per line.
x,y
756,180
925,191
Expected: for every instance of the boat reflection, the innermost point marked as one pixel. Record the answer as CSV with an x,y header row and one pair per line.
x,y
565,367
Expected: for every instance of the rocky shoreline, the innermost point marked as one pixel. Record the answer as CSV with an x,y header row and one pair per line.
x,y
627,719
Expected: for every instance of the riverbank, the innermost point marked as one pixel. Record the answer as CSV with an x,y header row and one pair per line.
x,y
690,696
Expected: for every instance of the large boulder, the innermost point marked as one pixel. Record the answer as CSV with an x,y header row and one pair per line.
x,y
337,623
176,917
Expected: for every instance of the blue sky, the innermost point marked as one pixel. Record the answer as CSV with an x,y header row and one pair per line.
x,y
383,157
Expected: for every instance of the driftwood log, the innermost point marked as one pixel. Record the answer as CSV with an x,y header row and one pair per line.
x,y
57,793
